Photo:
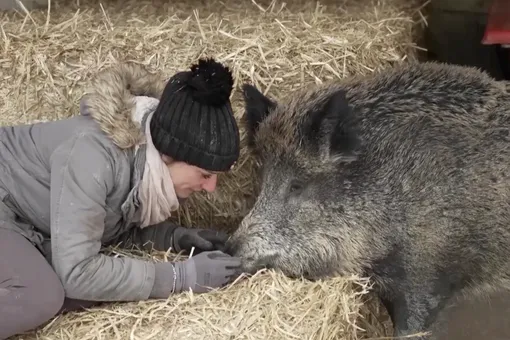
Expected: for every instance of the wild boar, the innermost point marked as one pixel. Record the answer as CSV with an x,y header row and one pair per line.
x,y
402,175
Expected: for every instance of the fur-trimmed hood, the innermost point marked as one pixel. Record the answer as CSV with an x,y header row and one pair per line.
x,y
109,100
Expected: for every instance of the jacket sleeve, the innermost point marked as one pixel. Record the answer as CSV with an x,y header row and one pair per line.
x,y
156,237
82,173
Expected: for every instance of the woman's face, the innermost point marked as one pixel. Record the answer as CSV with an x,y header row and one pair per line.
x,y
188,179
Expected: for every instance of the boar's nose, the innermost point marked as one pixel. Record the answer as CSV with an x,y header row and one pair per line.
x,y
231,247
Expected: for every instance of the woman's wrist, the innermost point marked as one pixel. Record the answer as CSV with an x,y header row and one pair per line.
x,y
165,280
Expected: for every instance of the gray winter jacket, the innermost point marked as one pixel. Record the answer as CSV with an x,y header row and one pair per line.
x,y
67,182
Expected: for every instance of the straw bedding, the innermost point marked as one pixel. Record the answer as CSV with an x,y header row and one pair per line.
x,y
47,56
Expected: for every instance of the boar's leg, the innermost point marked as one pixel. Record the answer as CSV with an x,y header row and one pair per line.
x,y
413,311
412,296
415,300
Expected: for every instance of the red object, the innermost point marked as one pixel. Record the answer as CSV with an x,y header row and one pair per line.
x,y
497,30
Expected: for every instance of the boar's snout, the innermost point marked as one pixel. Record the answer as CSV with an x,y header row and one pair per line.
x,y
232,247
253,258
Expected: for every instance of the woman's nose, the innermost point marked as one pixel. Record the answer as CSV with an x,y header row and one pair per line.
x,y
210,183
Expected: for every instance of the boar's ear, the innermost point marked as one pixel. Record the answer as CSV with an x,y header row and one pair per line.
x,y
333,129
257,107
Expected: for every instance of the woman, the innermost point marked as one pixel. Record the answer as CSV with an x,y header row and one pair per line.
x,y
113,174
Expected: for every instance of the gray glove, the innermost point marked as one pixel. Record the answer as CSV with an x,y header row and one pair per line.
x,y
201,239
209,269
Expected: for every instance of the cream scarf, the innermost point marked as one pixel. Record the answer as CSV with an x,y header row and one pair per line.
x,y
155,189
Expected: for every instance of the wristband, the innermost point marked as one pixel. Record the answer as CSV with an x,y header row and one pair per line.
x,y
175,278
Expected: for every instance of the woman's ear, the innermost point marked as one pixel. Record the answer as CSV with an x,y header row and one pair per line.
x,y
167,160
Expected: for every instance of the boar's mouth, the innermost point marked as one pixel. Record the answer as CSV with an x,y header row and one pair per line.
x,y
251,264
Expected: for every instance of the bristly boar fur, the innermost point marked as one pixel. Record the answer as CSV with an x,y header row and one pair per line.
x,y
403,175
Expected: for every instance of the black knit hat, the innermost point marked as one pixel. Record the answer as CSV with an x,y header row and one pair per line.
x,y
194,122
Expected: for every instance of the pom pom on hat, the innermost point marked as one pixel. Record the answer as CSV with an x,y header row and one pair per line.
x,y
212,82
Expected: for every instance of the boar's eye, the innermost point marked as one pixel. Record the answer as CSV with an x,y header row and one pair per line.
x,y
296,187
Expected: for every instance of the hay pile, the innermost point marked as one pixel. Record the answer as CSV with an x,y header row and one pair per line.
x,y
47,57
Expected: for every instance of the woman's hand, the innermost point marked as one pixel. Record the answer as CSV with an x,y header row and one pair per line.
x,y
184,239
201,273
209,270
